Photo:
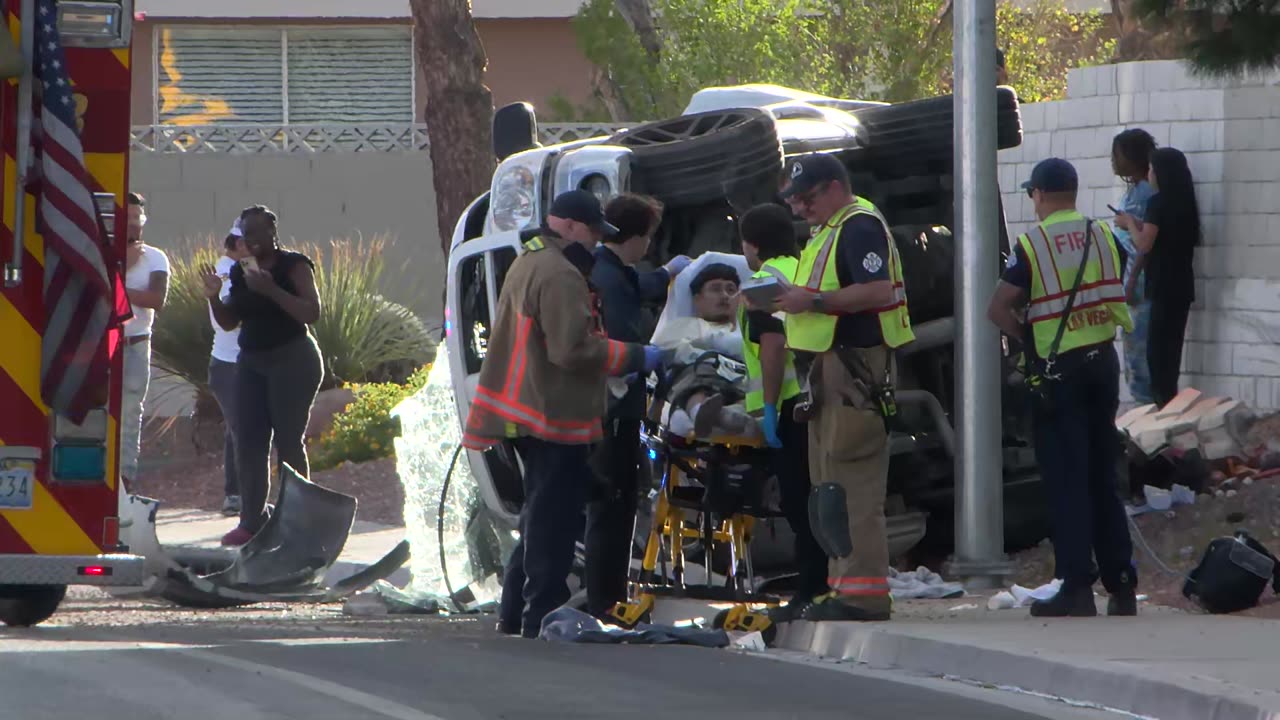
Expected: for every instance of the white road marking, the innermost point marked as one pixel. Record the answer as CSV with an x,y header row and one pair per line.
x,y
349,695
25,645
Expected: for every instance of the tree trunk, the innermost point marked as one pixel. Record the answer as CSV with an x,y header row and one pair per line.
x,y
458,106
607,92
639,15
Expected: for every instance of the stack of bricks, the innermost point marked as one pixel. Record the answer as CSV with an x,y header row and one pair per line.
x,y
1214,426
1230,130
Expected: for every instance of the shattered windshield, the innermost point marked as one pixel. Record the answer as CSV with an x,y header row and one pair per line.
x,y
457,550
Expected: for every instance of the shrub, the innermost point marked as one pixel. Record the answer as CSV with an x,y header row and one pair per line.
x,y
365,429
363,336
183,334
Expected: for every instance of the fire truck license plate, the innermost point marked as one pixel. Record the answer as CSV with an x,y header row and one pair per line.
x,y
16,489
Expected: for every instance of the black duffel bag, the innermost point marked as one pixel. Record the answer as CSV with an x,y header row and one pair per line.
x,y
1232,574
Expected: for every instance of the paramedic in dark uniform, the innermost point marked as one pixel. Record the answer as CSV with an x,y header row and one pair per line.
x,y
542,388
847,308
624,294
1075,386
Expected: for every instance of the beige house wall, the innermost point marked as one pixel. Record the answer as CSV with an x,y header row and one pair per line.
x,y
317,196
530,59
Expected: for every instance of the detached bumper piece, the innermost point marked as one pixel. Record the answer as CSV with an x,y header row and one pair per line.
x,y
102,570
285,562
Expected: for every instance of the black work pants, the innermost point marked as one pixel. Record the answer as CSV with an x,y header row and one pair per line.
x,y
556,480
1077,449
274,392
791,465
611,515
222,383
1166,331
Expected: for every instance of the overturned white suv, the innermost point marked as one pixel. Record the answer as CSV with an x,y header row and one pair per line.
x,y
724,155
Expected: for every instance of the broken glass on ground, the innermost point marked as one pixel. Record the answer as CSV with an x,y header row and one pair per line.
x,y
457,548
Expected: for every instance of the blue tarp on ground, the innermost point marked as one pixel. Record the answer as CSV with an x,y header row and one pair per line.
x,y
574,626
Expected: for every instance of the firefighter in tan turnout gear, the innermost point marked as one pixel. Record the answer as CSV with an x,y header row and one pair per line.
x,y
847,309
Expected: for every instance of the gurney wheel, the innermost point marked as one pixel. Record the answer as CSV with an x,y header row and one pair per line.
x,y
769,631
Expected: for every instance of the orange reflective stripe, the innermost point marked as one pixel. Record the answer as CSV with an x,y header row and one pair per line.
x,y
608,358
616,357
569,432
520,410
476,442
859,586
515,371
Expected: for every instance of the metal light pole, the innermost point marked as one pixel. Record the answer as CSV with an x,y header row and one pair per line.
x,y
979,554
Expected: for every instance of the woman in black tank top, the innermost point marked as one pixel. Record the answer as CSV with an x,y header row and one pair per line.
x,y
273,300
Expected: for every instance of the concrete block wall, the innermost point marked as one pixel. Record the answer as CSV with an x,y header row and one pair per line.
x,y
1230,131
317,197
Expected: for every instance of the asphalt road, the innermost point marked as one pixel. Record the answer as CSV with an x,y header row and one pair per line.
x,y
121,661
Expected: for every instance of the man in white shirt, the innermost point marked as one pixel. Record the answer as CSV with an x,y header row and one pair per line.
x,y
222,370
147,282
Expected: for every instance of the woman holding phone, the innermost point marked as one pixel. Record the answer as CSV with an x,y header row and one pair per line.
x,y
272,300
1167,236
1130,159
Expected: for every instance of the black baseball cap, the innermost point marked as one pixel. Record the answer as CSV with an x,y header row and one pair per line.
x,y
583,207
1053,175
809,171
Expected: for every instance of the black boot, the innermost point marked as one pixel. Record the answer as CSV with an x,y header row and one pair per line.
x,y
1123,603
830,608
791,612
1069,602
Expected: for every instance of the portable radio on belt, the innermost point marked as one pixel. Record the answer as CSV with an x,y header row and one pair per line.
x,y
881,394
1039,375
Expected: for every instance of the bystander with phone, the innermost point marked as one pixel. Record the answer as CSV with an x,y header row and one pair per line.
x,y
223,359
1130,159
1167,235
272,300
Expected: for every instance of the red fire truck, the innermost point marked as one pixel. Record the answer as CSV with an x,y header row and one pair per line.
x,y
59,475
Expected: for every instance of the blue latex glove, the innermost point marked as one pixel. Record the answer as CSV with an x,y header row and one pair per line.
x,y
771,426
652,358
677,264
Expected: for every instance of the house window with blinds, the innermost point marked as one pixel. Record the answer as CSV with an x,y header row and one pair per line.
x,y
296,75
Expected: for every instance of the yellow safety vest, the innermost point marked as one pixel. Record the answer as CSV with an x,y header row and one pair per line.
x,y
783,267
815,332
1054,250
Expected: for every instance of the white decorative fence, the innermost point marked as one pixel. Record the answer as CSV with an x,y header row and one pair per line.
x,y
257,139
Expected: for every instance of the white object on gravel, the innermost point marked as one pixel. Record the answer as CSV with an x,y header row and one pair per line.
x,y
1018,596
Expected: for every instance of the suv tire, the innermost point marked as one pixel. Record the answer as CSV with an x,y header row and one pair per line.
x,y
703,157
924,129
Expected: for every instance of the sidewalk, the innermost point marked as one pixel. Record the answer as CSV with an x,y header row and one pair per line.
x,y
367,544
1163,664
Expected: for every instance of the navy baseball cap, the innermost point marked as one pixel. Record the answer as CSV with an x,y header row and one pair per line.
x,y
809,171
1053,175
584,207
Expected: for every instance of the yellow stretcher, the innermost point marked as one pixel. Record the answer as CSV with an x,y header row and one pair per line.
x,y
710,494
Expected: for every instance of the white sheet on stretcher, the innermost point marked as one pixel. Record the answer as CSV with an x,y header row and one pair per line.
x,y
679,310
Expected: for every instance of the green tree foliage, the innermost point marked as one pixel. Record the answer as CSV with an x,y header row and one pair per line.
x,y
365,430
706,42
1220,37
1043,41
892,50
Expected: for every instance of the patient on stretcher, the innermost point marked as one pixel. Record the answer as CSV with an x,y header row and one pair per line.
x,y
707,392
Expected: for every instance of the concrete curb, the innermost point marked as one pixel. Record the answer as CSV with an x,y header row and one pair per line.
x,y
1103,682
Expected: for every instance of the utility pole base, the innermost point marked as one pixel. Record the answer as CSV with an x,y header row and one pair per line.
x,y
981,575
